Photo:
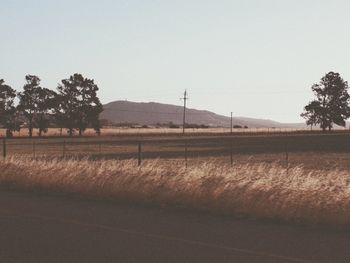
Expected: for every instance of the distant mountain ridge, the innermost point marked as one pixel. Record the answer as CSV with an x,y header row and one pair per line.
x,y
152,113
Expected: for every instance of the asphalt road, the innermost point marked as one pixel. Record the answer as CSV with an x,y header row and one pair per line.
x,y
51,228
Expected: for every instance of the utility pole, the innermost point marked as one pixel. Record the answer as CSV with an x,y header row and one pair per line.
x,y
231,122
185,98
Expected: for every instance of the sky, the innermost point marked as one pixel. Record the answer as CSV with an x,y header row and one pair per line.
x,y
255,58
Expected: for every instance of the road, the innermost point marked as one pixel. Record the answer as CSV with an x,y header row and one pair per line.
x,y
56,228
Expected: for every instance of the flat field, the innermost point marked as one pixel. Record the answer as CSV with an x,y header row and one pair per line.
x,y
124,131
313,151
138,131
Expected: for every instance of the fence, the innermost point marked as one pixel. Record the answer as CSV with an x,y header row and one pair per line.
x,y
123,131
320,150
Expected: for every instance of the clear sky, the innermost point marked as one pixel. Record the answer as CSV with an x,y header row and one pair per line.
x,y
257,58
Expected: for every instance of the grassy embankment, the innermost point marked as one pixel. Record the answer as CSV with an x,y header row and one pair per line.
x,y
262,190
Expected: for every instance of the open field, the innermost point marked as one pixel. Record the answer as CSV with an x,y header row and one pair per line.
x,y
56,132
317,151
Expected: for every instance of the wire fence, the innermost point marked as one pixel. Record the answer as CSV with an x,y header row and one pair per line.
x,y
141,130
322,151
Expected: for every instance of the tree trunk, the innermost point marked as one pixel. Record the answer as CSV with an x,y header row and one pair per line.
x,y
8,133
30,129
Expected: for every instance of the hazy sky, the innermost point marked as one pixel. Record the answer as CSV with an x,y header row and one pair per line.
x,y
257,58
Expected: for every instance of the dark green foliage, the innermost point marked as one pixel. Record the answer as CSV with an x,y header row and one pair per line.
x,y
36,103
174,126
45,104
77,104
28,100
331,105
196,126
8,116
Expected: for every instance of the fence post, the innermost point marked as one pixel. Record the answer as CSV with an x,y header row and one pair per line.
x,y
231,153
33,149
139,154
4,148
287,159
64,149
185,153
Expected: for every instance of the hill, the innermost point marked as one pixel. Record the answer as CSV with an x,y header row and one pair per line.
x,y
151,113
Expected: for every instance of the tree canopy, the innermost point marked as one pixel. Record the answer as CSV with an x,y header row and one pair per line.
x,y
28,100
7,108
331,105
74,106
45,104
77,104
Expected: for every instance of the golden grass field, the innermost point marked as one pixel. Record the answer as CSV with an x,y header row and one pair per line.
x,y
311,186
262,190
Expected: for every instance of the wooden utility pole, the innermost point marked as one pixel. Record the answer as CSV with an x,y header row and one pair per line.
x,y
185,98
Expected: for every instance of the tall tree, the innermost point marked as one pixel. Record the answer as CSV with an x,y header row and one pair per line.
x,y
28,100
45,104
78,105
331,105
59,112
7,109
66,105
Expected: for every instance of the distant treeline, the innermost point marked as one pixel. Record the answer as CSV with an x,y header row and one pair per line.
x,y
74,105
170,125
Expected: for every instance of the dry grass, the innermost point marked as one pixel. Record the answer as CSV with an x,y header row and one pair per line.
x,y
149,131
261,190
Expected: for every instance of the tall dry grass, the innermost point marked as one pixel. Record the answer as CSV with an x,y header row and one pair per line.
x,y
261,190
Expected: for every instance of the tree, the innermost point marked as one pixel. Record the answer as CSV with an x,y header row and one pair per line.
x,y
78,106
45,103
331,105
66,106
28,100
7,109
